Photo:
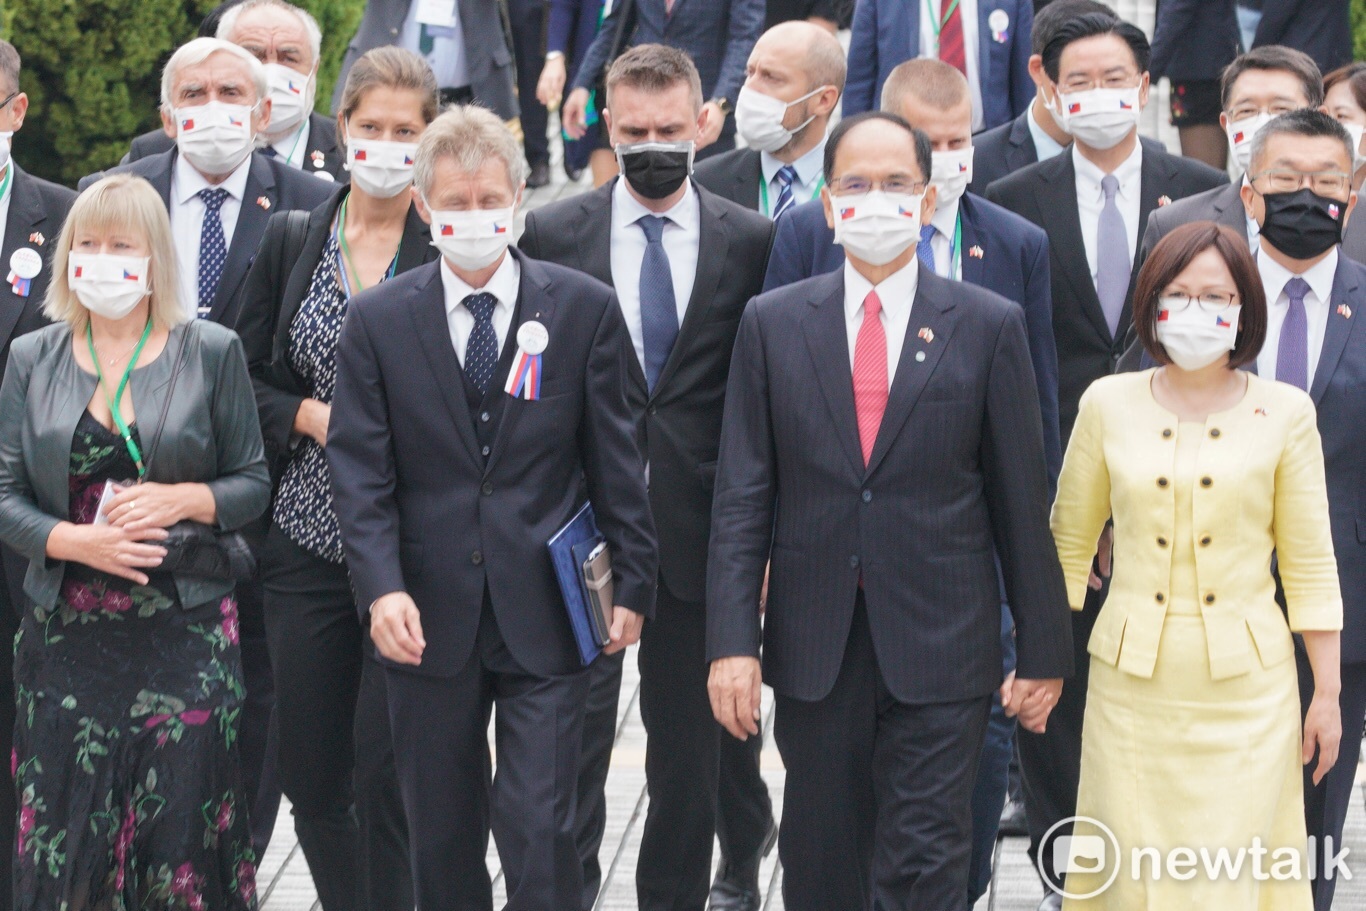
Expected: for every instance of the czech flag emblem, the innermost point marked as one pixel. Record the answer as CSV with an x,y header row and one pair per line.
x,y
1333,210
447,231
962,168
902,210
846,214
1163,315
1074,107
359,156
499,229
1221,322
187,124
294,88
129,276
1125,106
233,121
407,159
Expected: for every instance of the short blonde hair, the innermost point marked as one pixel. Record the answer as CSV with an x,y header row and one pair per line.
x,y
470,135
388,67
119,203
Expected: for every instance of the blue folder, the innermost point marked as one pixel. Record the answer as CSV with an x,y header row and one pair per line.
x,y
581,534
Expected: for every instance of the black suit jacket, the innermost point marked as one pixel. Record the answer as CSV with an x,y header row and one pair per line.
x,y
1046,194
678,426
423,511
1354,236
1320,28
37,210
275,288
956,475
1222,204
322,156
735,175
272,186
1000,152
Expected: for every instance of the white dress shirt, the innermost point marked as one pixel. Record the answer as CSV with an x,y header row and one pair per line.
x,y
1091,200
1045,146
897,293
1316,306
504,284
1254,230
292,148
929,47
806,187
682,236
447,58
187,220
946,258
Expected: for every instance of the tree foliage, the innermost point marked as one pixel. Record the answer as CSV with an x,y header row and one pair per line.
x,y
92,71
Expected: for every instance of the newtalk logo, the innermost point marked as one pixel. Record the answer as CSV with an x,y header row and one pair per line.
x,y
1093,853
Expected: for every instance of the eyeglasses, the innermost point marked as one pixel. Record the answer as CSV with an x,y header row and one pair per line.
x,y
8,98
1287,180
1211,302
856,186
1083,84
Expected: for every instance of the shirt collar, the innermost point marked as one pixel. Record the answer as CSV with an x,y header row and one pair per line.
x,y
1319,276
504,284
1129,172
945,219
896,291
296,141
188,182
627,210
1045,146
808,167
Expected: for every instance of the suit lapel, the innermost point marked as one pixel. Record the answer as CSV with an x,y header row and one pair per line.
x,y
748,178
26,215
1058,195
434,333
258,199
1228,207
931,310
827,341
713,245
1021,151
534,303
974,267
1338,329
594,241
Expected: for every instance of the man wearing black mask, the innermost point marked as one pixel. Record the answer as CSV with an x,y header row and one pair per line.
x,y
683,262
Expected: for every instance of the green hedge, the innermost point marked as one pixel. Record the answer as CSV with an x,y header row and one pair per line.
x,y
92,71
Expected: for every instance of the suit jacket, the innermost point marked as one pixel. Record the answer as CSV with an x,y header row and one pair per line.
x,y
678,425
272,186
887,32
488,49
1221,204
37,210
1354,237
957,474
734,175
1046,194
1193,39
717,34
1014,264
323,155
422,511
274,290
1001,151
1320,28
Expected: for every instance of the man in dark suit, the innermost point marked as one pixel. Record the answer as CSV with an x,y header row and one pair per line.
x,y
889,32
717,34
32,211
1320,28
286,40
220,196
1093,202
448,489
798,65
1193,41
1035,135
714,253
877,500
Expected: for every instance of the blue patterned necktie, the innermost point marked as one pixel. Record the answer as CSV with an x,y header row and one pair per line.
x,y
787,176
481,351
1114,257
213,249
1292,352
924,249
658,306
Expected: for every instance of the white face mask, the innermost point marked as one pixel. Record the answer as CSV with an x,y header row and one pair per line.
x,y
877,227
474,238
1100,118
951,172
1193,338
107,285
291,97
1240,136
759,119
6,138
1355,130
215,137
381,169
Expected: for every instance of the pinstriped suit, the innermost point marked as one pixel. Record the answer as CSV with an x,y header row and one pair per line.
x,y
882,630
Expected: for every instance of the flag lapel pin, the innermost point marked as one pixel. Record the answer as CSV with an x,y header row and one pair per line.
x,y
1345,310
37,238
975,251
1163,201
927,334
263,202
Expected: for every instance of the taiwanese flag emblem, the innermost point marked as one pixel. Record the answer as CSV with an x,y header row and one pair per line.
x,y
1163,315
78,272
129,276
1221,322
1333,210
359,156
447,231
846,214
499,229
1074,107
1125,106
1238,137
187,124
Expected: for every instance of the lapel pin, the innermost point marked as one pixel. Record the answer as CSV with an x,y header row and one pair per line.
x,y
920,356
524,380
999,23
318,159
927,334
1345,310
24,266
1164,201
975,251
263,202
1261,411
37,238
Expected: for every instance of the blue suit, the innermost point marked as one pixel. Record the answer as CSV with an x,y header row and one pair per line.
x,y
887,32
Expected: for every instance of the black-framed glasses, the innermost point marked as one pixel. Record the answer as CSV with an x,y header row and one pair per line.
x,y
8,98
856,186
1211,302
1288,180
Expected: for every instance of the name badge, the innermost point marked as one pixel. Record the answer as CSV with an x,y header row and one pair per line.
x,y
436,12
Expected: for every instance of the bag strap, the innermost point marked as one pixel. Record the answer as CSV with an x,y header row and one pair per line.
x,y
291,248
166,403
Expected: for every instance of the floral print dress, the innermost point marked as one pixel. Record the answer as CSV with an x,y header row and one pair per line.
x,y
125,758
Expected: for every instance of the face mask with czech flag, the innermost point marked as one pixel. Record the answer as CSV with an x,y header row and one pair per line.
x,y
381,169
1194,338
215,137
108,285
1100,118
877,227
473,238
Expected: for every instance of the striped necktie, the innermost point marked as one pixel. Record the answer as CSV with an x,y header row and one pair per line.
x,y
786,177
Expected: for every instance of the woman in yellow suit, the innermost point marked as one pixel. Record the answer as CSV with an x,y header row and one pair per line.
x,y
1192,738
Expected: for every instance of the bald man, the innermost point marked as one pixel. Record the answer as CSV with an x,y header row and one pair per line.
x,y
793,80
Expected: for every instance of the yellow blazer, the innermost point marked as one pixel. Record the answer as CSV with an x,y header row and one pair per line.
x,y
1260,489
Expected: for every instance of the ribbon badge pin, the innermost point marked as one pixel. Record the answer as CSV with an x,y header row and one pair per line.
x,y
975,251
318,158
999,23
24,266
1345,311
524,380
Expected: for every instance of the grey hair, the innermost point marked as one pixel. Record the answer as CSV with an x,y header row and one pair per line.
x,y
1306,122
470,135
229,21
9,66
200,49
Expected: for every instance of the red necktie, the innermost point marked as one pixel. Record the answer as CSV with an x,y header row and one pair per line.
x,y
870,374
951,48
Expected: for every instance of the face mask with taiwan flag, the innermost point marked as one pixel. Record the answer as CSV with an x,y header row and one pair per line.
x,y
1193,337
1100,118
214,137
473,238
877,227
380,169
107,285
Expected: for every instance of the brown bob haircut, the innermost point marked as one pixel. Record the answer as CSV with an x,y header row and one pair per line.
x,y
1170,258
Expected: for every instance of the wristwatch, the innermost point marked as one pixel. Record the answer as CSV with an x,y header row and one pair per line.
x,y
724,104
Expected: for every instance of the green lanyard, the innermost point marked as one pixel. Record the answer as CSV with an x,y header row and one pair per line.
x,y
937,22
289,159
114,408
346,252
763,193
956,249
4,185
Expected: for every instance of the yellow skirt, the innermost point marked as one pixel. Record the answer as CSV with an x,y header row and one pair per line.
x,y
1181,761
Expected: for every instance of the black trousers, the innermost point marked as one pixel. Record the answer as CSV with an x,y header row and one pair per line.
x,y
1050,763
877,808
336,754
257,735
13,603
1325,806
683,767
528,49
440,729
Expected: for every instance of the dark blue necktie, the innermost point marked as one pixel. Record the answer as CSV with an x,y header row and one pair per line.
x,y
213,249
481,351
1292,352
925,250
658,306
787,175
